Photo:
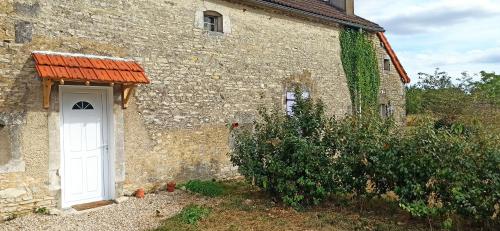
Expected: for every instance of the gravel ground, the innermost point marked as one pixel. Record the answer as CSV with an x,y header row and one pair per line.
x,y
133,214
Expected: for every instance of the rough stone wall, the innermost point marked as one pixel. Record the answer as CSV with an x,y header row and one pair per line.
x,y
392,88
177,127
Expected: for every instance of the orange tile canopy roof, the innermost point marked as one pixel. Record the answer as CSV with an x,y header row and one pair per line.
x,y
83,68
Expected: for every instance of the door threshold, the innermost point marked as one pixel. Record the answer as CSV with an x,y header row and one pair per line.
x,y
92,205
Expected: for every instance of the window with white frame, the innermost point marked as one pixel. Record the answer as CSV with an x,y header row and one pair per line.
x,y
291,100
212,21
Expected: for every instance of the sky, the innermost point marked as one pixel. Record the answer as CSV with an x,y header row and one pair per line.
x,y
453,35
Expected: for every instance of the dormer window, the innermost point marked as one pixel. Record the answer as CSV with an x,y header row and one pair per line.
x,y
212,21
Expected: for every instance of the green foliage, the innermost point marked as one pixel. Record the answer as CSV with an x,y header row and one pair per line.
x,y
488,88
360,65
187,219
289,156
436,93
448,224
419,209
362,142
433,169
438,80
42,210
414,100
193,213
206,188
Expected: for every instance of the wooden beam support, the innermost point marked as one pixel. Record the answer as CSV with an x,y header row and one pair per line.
x,y
47,88
127,92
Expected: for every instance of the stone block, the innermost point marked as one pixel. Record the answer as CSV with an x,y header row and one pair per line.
x,y
12,193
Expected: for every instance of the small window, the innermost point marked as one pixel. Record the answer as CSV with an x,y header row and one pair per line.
x,y
212,21
82,105
387,64
290,101
386,110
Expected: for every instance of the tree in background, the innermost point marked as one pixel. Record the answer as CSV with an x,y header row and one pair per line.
x,y
437,93
467,100
488,89
438,80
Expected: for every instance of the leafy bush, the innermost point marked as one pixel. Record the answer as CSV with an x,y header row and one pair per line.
x,y
433,169
289,157
206,188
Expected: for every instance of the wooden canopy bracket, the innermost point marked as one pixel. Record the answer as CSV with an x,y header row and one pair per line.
x,y
127,92
47,88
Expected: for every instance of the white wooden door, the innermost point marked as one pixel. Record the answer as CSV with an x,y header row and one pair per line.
x,y
84,144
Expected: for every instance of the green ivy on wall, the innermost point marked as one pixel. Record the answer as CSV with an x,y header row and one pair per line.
x,y
360,65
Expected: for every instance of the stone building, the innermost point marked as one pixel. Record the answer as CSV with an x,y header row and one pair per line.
x,y
101,97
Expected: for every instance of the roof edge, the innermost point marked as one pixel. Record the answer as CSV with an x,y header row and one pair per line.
x,y
399,68
319,16
67,54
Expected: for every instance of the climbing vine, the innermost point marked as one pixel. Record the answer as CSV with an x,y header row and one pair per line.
x,y
360,65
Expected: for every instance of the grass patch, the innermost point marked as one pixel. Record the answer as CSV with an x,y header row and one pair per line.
x,y
187,219
193,213
42,210
244,207
205,188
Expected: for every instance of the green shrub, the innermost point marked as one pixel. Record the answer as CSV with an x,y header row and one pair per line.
x,y
363,145
289,156
193,213
433,169
205,188
453,171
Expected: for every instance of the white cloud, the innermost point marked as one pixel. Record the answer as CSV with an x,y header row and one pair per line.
x,y
455,58
455,63
455,35
426,16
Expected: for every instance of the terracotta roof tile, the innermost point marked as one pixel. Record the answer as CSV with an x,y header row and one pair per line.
x,y
111,65
89,74
75,73
72,67
98,64
121,65
83,62
45,71
71,62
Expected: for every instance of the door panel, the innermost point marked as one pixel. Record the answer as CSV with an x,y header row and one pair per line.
x,y
84,120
